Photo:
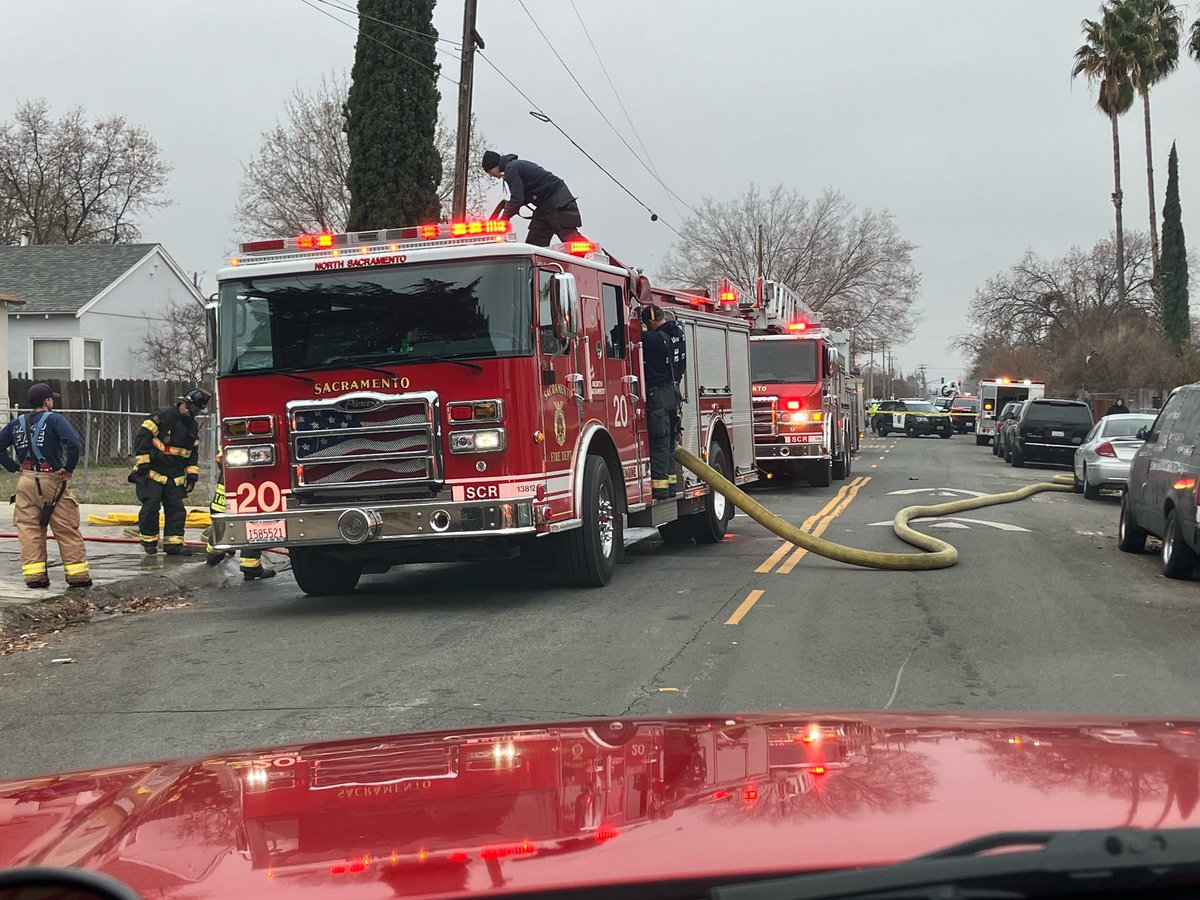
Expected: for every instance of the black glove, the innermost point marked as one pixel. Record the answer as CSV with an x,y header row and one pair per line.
x,y
191,483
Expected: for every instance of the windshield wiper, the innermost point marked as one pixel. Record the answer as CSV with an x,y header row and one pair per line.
x,y
1061,862
347,361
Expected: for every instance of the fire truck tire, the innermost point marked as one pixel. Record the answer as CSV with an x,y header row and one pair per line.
x,y
980,440
587,556
320,575
841,466
677,532
821,473
709,525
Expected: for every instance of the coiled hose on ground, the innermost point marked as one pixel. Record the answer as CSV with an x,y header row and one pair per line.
x,y
937,553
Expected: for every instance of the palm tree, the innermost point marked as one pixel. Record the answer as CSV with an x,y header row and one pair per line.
x,y
1159,25
1106,57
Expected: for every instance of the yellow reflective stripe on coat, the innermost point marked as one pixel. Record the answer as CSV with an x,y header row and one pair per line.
x,y
250,563
141,459
193,470
34,568
76,568
218,501
172,451
154,476
151,426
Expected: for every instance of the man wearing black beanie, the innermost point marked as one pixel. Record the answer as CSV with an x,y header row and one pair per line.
x,y
555,212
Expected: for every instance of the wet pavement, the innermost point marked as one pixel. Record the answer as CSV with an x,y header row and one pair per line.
x,y
110,556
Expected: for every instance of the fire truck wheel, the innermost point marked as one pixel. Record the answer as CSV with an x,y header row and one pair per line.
x,y
820,474
587,556
841,465
677,532
320,575
710,525
980,440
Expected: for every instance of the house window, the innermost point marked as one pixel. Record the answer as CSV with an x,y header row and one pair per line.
x,y
51,359
91,361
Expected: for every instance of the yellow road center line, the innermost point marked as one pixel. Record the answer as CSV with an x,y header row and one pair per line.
x,y
769,563
801,552
744,607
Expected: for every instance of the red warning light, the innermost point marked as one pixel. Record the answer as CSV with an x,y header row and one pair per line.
x,y
817,770
429,232
306,242
798,326
606,833
750,794
728,296
580,248
324,240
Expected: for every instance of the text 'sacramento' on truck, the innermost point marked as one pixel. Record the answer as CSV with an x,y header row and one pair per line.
x,y
443,392
993,394
807,402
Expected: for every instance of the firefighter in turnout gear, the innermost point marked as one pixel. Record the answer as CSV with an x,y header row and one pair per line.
x,y
664,356
47,449
251,560
166,468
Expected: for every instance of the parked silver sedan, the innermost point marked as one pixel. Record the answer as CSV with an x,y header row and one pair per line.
x,y
1102,460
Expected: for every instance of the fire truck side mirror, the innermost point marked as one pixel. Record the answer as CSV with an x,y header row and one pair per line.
x,y
564,306
210,330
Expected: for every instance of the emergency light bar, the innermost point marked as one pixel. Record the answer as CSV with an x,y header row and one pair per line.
x,y
493,228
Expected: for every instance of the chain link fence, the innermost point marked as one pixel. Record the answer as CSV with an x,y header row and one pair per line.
x,y
107,457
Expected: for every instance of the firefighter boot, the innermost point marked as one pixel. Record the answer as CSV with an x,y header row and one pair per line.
x,y
257,572
252,567
179,550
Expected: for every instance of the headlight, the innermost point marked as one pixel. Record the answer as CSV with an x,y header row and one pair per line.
x,y
799,417
920,418
483,441
254,455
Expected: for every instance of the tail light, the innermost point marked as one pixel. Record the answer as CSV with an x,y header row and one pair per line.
x,y
1106,449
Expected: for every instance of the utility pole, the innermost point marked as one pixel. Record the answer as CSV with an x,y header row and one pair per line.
x,y
759,250
462,150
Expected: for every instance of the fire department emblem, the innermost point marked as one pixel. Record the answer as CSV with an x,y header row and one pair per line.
x,y
560,423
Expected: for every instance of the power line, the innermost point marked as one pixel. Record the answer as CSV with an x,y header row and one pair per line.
x,y
388,46
588,96
621,103
541,116
398,27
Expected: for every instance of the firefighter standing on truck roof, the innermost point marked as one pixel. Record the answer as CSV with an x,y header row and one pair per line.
x,y
555,211
251,560
166,468
663,356
41,437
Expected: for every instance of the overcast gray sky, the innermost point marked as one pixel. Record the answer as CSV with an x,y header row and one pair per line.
x,y
959,116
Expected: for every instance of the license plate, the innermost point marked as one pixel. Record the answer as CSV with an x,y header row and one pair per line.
x,y
801,438
272,532
1058,434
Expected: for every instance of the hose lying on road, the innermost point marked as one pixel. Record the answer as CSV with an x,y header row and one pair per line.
x,y
938,554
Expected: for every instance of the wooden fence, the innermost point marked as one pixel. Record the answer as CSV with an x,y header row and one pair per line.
x,y
104,395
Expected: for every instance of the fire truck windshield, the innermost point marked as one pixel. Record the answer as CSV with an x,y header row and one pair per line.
x,y
463,310
789,361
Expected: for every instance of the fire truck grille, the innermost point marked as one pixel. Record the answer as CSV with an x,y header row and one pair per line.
x,y
384,764
764,417
387,442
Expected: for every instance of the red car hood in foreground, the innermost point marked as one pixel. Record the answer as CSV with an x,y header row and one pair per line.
x,y
595,802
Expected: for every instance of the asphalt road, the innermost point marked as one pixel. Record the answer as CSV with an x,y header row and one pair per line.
x,y
1041,613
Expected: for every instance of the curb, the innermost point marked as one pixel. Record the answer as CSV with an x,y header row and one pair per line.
x,y
140,593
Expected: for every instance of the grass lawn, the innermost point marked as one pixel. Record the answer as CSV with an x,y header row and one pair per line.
x,y
107,484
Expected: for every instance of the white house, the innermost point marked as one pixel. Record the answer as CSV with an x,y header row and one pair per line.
x,y
87,307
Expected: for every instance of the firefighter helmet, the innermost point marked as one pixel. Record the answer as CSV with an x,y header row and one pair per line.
x,y
197,398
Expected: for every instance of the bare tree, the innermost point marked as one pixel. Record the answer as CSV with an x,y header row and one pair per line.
x,y
177,348
851,266
296,183
75,180
478,180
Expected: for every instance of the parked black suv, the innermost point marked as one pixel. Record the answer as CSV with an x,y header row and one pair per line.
x,y
915,418
1164,477
1049,431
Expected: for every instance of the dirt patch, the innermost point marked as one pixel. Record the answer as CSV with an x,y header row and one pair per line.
x,y
22,627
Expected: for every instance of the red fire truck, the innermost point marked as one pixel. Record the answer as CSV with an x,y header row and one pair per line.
x,y
807,402
443,392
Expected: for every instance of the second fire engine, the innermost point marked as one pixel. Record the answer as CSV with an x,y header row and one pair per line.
x,y
807,402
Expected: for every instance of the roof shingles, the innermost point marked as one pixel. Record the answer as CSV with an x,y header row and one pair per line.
x,y
63,278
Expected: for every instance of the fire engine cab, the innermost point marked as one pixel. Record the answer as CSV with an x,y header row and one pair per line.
x,y
807,402
443,392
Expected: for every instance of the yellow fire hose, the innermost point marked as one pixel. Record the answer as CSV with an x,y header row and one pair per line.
x,y
938,554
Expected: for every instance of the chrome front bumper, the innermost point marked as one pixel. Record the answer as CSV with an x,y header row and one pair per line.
x,y
383,522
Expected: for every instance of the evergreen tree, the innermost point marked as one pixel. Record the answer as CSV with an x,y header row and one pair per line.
x,y
1176,321
391,116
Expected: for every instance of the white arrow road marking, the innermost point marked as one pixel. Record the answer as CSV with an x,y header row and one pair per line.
x,y
941,492
952,523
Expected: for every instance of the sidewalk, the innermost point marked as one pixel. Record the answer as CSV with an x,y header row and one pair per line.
x,y
110,559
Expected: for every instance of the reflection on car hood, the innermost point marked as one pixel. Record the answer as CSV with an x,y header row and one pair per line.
x,y
591,802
